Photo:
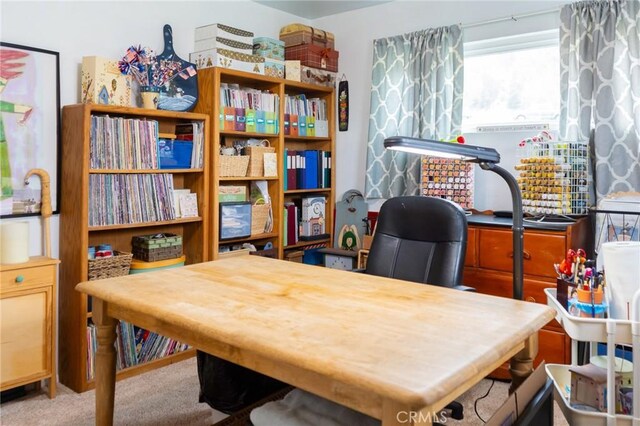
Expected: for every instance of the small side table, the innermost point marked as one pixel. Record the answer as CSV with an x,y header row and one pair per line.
x,y
28,323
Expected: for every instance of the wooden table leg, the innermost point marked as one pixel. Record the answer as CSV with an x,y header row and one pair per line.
x,y
521,365
105,363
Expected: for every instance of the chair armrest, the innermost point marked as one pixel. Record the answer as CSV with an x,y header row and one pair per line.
x,y
464,288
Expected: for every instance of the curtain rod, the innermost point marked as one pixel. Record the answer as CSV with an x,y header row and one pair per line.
x,y
514,18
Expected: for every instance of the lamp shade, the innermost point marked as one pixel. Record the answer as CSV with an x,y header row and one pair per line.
x,y
471,153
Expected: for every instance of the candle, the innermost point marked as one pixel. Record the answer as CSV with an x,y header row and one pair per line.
x,y
14,242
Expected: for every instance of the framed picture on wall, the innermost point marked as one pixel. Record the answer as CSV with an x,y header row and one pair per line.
x,y
29,128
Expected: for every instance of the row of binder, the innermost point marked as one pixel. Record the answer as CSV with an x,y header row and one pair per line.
x,y
305,125
308,169
249,120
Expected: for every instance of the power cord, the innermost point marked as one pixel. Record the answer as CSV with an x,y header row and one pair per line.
x,y
475,403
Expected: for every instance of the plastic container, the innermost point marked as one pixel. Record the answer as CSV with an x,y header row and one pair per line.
x,y
140,266
174,153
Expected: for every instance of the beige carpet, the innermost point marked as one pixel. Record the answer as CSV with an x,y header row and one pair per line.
x,y
169,396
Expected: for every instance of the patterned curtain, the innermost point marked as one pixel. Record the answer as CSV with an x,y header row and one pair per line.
x,y
600,88
416,91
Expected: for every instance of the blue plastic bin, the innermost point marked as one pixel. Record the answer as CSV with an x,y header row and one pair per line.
x,y
174,153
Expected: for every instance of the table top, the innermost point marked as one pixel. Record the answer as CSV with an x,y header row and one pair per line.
x,y
415,344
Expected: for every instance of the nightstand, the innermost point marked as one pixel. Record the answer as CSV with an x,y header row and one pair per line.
x,y
28,323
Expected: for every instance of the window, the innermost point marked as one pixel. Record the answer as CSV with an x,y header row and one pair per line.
x,y
512,83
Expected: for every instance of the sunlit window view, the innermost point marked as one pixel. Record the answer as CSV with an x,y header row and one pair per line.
x,y
512,87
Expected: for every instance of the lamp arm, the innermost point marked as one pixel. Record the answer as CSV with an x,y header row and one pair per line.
x,y
518,228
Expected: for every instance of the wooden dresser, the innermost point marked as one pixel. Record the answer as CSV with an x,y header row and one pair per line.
x,y
27,330
489,266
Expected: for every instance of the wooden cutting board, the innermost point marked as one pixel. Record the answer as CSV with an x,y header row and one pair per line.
x,y
181,93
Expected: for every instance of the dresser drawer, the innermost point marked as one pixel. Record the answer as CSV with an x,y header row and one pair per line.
x,y
471,255
16,279
541,251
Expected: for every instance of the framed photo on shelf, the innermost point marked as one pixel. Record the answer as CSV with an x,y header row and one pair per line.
x,y
29,128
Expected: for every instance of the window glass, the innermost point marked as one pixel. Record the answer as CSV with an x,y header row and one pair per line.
x,y
514,82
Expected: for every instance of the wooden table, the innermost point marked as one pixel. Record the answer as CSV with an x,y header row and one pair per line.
x,y
380,346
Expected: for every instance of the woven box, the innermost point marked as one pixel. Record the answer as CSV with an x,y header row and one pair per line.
x,y
313,56
154,247
295,34
259,217
256,159
233,165
107,267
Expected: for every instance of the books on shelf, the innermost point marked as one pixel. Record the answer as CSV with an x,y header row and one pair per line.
x,y
123,143
134,345
305,117
247,109
307,169
116,199
193,132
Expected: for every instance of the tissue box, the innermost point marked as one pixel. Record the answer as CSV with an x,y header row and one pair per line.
x,y
227,59
102,82
269,48
223,43
292,70
274,68
316,76
224,31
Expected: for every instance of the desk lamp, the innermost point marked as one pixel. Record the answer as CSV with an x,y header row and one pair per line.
x,y
487,159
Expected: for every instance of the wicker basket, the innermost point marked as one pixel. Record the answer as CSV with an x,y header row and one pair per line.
x,y
233,165
107,267
256,159
155,247
259,217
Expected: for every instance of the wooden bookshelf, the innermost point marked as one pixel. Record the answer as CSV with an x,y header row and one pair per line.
x,y
209,81
76,235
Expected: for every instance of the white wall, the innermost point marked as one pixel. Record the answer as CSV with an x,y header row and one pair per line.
x,y
77,29
355,32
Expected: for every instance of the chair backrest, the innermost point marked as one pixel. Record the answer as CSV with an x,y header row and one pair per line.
x,y
419,239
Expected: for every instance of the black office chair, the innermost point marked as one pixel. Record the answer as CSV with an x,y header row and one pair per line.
x,y
424,240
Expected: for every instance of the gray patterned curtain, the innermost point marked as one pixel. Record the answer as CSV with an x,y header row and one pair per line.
x,y
600,88
416,90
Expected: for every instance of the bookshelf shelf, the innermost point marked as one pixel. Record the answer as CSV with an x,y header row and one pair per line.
x,y
300,244
144,171
80,184
144,224
210,83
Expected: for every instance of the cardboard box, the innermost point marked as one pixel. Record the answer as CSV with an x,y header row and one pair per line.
x,y
292,70
227,59
517,402
103,83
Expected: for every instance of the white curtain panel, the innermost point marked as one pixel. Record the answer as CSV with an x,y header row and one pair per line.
x,y
600,88
416,90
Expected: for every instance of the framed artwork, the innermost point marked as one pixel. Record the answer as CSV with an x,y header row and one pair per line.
x,y
29,128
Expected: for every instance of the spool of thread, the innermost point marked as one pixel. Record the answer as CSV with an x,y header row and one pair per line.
x,y
14,242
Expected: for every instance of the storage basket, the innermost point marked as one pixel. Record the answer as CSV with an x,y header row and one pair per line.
x,y
256,159
233,165
296,34
107,267
154,247
260,215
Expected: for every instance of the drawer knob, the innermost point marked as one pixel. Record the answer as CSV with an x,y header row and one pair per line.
x,y
530,299
19,279
525,255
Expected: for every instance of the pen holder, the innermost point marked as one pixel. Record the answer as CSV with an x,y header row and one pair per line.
x,y
564,291
585,296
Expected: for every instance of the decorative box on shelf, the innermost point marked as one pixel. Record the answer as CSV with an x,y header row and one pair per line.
x,y
112,266
296,34
227,59
314,56
103,83
317,76
235,220
270,48
273,68
154,247
292,70
223,43
224,31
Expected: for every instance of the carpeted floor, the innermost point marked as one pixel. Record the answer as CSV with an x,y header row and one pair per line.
x,y
169,396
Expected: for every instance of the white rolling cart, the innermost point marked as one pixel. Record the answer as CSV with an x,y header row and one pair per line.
x,y
612,332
